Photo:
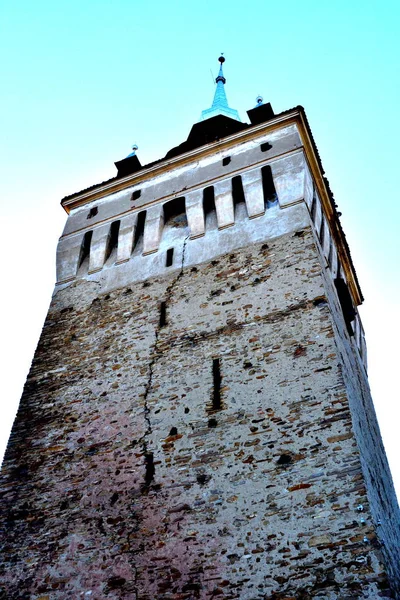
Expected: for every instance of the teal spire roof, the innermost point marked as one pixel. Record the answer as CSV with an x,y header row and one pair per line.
x,y
220,102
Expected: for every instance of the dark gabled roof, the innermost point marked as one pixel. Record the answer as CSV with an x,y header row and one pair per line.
x,y
203,132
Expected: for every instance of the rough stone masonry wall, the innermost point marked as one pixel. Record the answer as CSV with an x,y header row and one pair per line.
x,y
120,481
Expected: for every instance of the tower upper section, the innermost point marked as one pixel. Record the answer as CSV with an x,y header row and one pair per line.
x,y
229,185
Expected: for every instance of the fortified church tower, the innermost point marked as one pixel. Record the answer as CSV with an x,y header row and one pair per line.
x,y
197,421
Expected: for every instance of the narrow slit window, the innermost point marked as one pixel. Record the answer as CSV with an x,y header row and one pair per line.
x,y
139,231
313,208
338,269
239,201
270,195
85,248
330,254
163,314
170,257
322,233
112,242
216,396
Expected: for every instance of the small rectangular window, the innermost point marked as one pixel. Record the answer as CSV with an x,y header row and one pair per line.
x,y
265,147
136,194
92,212
170,257
226,161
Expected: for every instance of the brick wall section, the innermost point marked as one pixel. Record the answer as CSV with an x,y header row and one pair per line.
x,y
121,482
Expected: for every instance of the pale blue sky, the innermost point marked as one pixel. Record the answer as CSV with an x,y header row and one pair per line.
x,y
82,81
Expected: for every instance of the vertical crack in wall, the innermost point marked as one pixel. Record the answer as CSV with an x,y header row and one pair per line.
x,y
155,355
148,455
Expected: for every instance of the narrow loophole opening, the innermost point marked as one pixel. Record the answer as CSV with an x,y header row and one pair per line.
x,y
163,314
313,208
216,395
170,257
322,233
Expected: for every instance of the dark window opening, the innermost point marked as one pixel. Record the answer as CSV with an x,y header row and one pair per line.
x,y
270,195
322,233
330,257
239,202
139,230
346,303
226,161
92,212
163,314
175,213
314,207
136,194
210,214
149,468
216,396
265,147
337,266
85,247
112,242
170,257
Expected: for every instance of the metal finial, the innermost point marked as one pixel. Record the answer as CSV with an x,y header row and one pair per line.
x,y
259,100
135,147
220,102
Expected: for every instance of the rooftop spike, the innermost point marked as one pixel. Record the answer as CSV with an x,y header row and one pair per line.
x,y
220,102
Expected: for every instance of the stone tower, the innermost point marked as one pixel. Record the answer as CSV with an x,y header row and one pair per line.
x,y
197,421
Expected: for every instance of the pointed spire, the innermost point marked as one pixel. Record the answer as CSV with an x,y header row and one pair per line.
x,y
220,102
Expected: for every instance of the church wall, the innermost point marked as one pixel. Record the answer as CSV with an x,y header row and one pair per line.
x,y
122,480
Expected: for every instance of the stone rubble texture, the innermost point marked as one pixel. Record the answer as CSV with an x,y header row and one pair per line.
x,y
121,481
